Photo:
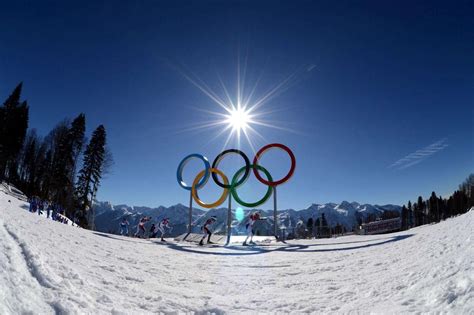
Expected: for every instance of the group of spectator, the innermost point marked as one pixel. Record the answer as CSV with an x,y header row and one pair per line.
x,y
53,211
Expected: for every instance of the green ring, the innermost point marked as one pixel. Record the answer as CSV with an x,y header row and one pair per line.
x,y
233,189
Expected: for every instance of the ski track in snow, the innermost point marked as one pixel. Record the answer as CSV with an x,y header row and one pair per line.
x,y
21,290
48,267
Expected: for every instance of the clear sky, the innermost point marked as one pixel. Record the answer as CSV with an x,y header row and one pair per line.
x,y
379,108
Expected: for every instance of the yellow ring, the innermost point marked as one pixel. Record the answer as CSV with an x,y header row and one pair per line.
x,y
224,193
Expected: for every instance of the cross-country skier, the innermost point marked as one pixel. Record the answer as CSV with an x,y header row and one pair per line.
x,y
141,226
254,217
151,231
124,227
162,226
207,232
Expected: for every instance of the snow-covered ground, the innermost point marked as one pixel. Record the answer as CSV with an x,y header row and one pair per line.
x,y
47,267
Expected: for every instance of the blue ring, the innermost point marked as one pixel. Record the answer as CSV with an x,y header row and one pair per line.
x,y
182,164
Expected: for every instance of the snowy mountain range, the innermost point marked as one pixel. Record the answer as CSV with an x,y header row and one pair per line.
x,y
108,216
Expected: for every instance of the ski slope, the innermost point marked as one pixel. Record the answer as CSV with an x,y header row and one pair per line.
x,y
47,267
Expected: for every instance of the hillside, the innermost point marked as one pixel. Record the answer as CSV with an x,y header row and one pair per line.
x,y
50,268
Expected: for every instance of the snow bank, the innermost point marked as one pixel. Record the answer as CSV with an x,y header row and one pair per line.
x,y
47,267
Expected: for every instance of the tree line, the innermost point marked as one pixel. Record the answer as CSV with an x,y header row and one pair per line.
x,y
436,208
319,228
421,212
62,167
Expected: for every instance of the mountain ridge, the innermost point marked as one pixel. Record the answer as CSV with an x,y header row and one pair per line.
x,y
108,216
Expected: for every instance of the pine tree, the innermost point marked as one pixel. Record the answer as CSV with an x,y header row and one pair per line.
x,y
90,175
13,126
60,179
415,215
325,230
434,208
39,171
28,164
442,208
317,226
44,172
77,138
404,215
75,144
410,214
419,211
324,222
338,229
309,226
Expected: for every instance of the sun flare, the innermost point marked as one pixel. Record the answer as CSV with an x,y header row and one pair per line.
x,y
238,119
242,114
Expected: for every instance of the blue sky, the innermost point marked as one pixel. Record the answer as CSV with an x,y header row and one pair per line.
x,y
380,109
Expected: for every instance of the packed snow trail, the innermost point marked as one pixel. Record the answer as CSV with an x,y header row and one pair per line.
x,y
48,267
20,289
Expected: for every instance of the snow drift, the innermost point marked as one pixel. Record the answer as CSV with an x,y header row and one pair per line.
x,y
47,267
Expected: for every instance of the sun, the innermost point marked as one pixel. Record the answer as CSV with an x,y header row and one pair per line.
x,y
238,119
241,115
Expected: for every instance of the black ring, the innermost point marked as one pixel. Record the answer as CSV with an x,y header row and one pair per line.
x,y
218,159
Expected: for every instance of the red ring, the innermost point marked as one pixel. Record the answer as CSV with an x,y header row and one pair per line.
x,y
260,153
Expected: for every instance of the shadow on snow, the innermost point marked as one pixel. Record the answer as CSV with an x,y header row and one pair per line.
x,y
293,248
237,250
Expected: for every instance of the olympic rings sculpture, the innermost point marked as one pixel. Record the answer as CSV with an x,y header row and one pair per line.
x,y
237,180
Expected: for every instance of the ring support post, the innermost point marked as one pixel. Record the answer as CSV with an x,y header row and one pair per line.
x,y
229,221
190,226
275,222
